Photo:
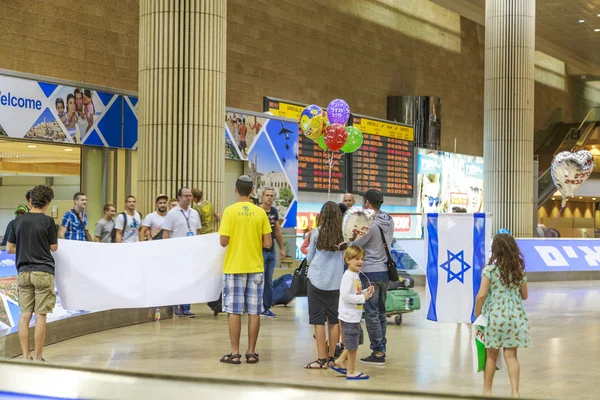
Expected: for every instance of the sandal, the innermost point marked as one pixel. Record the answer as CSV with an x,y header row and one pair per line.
x,y
251,358
229,359
330,362
321,362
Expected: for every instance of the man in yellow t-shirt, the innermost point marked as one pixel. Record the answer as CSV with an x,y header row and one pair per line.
x,y
245,230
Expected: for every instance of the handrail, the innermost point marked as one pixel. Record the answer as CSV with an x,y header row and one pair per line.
x,y
586,117
549,130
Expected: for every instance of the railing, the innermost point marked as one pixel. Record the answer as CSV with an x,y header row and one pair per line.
x,y
542,137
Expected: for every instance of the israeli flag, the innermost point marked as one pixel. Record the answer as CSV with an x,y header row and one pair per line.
x,y
457,246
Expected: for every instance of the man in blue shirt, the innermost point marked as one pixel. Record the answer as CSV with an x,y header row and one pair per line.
x,y
73,226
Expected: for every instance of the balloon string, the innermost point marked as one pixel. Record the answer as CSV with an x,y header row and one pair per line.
x,y
556,220
330,163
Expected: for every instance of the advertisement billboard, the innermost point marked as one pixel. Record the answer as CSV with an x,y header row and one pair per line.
x,y
50,112
270,147
449,182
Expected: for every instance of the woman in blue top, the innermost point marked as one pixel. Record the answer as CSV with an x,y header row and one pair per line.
x,y
326,259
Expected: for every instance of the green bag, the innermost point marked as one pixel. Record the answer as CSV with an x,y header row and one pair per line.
x,y
402,300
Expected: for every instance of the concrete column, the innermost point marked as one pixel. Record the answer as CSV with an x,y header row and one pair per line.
x,y
508,113
182,74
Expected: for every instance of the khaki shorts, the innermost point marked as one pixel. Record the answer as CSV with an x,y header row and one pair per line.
x,y
36,292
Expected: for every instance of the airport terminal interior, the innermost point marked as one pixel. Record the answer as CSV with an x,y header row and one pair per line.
x,y
289,199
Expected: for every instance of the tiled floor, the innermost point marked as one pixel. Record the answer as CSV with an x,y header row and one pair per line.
x,y
422,355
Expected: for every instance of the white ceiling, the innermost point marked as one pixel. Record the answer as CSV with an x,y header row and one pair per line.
x,y
558,30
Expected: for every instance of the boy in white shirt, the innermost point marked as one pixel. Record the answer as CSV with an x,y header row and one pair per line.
x,y
350,309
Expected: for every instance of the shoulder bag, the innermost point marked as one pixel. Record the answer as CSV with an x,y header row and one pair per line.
x,y
88,237
391,264
299,286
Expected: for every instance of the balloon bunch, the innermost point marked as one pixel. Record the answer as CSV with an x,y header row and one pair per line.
x,y
329,130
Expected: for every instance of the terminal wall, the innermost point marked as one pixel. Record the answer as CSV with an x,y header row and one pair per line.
x,y
93,41
361,51
310,52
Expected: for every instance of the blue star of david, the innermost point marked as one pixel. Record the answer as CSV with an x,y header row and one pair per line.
x,y
464,267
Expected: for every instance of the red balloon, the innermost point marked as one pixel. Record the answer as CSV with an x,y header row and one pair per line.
x,y
335,136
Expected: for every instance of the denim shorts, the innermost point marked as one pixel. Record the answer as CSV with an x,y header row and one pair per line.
x,y
243,293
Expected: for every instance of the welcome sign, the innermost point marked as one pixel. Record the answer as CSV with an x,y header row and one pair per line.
x,y
50,112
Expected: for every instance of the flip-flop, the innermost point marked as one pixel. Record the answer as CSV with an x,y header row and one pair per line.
x,y
340,370
359,377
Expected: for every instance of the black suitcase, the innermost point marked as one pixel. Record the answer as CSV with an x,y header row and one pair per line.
x,y
216,306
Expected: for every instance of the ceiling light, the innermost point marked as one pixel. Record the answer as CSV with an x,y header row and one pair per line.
x,y
32,146
580,197
68,149
553,198
581,20
593,198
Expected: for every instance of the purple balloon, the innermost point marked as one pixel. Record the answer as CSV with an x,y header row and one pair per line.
x,y
338,112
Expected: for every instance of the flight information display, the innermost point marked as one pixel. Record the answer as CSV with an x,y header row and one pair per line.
x,y
385,161
313,170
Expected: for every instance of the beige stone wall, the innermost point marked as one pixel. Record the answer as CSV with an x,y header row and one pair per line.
x,y
93,41
312,52
361,51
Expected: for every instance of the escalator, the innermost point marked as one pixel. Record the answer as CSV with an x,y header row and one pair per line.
x,y
560,137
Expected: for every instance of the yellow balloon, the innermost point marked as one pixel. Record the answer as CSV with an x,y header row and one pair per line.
x,y
316,128
304,122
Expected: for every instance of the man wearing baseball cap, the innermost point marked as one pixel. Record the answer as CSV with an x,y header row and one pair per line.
x,y
375,269
152,227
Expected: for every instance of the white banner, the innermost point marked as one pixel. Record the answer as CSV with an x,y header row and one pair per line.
x,y
102,276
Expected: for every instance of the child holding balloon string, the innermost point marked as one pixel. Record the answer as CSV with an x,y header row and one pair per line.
x,y
352,297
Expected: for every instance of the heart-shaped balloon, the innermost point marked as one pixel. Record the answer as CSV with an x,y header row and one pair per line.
x,y
356,222
570,170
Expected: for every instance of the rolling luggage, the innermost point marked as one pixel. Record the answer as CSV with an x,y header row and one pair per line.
x,y
281,290
401,301
216,306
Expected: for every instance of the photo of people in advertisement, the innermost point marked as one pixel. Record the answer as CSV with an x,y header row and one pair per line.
x,y
61,113
449,183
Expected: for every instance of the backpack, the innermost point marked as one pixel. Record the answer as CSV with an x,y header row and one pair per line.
x,y
113,233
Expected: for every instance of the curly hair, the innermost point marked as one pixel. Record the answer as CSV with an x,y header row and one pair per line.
x,y
330,227
41,196
507,256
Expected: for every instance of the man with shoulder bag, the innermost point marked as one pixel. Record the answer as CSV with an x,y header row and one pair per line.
x,y
74,223
378,269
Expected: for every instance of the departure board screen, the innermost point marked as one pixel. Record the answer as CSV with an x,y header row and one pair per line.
x,y
385,161
313,171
